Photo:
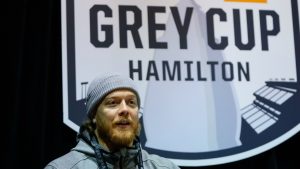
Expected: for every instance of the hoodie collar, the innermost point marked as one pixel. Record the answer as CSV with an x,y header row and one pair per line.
x,y
127,155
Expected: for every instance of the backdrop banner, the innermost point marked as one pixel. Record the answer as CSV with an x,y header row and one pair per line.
x,y
218,79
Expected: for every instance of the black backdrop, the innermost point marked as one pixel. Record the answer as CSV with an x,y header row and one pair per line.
x,y
36,133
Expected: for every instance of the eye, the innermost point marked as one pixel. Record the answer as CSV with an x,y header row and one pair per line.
x,y
111,103
132,103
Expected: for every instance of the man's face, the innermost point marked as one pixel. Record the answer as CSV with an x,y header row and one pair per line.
x,y
117,119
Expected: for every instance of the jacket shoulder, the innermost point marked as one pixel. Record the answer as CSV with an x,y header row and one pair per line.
x,y
154,161
72,160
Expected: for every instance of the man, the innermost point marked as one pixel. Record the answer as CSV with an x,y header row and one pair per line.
x,y
109,138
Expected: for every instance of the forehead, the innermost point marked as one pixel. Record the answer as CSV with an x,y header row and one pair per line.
x,y
121,93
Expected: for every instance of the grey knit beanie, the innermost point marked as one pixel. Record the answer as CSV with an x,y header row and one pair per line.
x,y
102,86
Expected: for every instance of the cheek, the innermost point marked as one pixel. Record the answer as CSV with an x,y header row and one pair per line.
x,y
107,114
135,114
106,118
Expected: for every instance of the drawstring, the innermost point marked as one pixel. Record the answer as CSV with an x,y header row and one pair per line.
x,y
139,156
140,159
90,139
99,155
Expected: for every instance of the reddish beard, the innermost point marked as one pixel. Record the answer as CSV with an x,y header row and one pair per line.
x,y
115,135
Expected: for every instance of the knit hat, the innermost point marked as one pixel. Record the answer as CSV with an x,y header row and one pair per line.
x,y
102,86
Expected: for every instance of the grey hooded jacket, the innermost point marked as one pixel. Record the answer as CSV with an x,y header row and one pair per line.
x,y
83,157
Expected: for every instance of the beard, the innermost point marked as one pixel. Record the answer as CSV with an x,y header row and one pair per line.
x,y
117,136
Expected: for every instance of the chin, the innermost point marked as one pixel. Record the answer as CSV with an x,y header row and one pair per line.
x,y
123,138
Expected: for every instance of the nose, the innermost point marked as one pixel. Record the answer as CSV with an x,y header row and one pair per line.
x,y
123,108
